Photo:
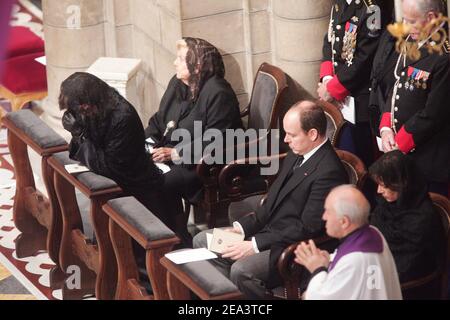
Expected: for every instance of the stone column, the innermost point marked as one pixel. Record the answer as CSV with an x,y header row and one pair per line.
x,y
298,31
74,39
121,74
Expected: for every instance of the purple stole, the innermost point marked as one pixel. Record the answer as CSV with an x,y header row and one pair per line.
x,y
365,239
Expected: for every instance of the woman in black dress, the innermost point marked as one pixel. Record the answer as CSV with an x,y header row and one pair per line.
x,y
406,216
108,137
198,96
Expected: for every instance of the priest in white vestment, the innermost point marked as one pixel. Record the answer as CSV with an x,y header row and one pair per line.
x,y
362,267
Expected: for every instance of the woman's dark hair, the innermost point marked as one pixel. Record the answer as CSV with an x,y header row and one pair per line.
x,y
89,99
398,172
83,88
203,61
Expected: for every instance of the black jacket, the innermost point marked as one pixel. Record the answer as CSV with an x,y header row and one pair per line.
x,y
114,147
412,232
216,107
420,116
351,70
293,209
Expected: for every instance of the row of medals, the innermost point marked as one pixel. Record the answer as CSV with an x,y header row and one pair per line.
x,y
410,84
348,47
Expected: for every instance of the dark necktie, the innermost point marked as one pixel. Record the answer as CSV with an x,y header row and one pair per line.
x,y
298,162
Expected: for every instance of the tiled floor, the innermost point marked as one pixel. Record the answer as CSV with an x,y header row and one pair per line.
x,y
11,288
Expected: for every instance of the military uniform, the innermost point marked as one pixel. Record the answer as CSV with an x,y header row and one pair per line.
x,y
413,100
348,51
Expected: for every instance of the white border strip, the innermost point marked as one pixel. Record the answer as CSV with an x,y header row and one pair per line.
x,y
22,279
32,8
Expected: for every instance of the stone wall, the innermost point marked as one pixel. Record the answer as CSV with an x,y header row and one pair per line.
x,y
287,33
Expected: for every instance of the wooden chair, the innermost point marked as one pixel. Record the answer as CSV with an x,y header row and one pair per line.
x,y
292,274
36,217
335,121
93,258
274,92
130,219
355,168
434,285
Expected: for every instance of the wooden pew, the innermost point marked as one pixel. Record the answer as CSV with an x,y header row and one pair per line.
x,y
130,219
36,217
90,259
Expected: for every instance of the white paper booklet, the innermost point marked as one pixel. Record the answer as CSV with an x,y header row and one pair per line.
x,y
222,239
190,255
75,168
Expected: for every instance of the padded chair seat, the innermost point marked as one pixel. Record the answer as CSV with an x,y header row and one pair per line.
x,y
36,129
23,41
92,181
137,215
236,210
204,274
23,74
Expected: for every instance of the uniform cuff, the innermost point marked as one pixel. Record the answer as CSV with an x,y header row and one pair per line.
x,y
336,89
326,69
385,120
405,140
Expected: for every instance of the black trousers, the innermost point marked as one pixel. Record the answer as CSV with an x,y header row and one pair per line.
x,y
180,183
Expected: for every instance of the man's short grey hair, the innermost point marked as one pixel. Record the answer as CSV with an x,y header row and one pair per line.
x,y
356,210
425,6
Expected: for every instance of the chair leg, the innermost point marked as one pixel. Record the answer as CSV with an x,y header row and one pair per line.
x,y
107,271
177,290
126,262
157,273
79,282
56,278
28,244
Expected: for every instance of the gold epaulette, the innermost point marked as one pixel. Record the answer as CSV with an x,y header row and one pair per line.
x,y
447,46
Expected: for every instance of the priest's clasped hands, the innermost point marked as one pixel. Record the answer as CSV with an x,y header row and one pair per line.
x,y
308,255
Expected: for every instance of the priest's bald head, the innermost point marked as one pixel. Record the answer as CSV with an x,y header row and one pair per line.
x,y
346,209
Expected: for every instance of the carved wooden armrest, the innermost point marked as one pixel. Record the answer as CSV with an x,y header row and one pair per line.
x,y
419,282
290,271
233,176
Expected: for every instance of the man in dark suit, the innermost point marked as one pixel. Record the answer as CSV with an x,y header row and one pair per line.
x,y
412,96
348,51
294,204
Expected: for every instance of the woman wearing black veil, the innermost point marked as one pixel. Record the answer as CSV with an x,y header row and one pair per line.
x,y
406,216
197,93
108,137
